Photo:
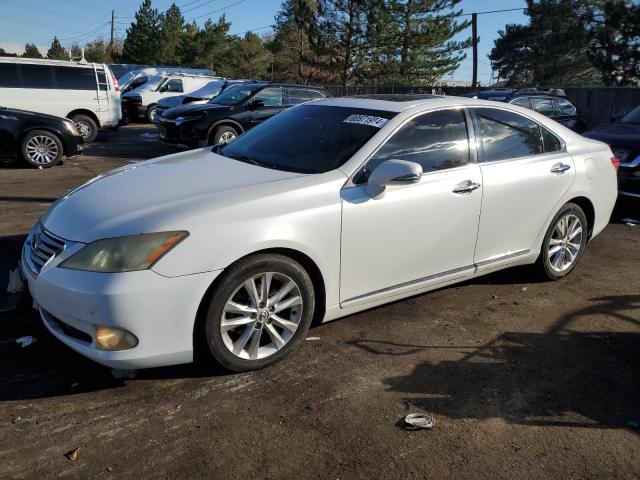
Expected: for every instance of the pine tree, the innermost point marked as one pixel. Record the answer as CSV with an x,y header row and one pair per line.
x,y
173,29
143,40
97,51
31,51
413,40
56,51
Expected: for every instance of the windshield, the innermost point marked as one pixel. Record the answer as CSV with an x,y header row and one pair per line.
x,y
633,116
307,138
209,90
236,95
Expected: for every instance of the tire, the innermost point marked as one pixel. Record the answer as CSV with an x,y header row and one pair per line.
x,y
41,148
558,260
239,335
223,134
151,114
86,126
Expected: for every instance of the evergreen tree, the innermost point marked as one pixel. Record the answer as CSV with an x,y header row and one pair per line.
x,y
173,29
97,51
76,51
413,40
246,58
56,51
338,38
143,41
31,51
615,41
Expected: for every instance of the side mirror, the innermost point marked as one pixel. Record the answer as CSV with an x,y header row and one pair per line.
x,y
392,172
255,104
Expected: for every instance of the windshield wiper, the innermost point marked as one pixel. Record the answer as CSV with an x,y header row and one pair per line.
x,y
253,161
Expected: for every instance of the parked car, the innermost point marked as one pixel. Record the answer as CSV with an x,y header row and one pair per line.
x,y
326,209
497,94
40,140
197,97
623,137
556,107
140,103
231,113
87,93
133,76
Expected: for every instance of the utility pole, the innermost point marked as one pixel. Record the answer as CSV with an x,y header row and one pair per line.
x,y
474,43
113,19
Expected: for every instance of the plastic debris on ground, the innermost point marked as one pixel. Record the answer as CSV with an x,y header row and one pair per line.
x,y
312,339
419,421
26,341
73,454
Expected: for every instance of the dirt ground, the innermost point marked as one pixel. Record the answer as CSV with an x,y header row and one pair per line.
x,y
526,379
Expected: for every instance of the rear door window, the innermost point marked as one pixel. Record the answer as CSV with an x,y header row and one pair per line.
x,y
272,96
543,106
521,101
296,96
565,106
550,141
507,135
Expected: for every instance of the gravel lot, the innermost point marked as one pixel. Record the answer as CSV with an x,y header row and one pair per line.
x,y
526,380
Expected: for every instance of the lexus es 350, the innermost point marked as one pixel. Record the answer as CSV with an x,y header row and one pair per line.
x,y
326,209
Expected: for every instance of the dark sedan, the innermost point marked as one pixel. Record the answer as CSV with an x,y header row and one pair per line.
x,y
623,137
236,110
556,107
38,139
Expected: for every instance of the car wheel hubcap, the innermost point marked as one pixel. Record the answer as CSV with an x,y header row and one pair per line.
x,y
42,150
84,129
565,243
261,316
227,137
153,115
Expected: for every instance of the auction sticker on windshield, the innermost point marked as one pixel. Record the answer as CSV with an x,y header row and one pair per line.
x,y
366,120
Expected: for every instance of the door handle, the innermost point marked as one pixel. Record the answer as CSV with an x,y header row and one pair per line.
x,y
466,187
560,168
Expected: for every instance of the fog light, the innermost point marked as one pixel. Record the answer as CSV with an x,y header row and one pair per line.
x,y
112,339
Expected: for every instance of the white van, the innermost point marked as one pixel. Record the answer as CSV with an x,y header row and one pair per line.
x,y
140,103
137,78
86,93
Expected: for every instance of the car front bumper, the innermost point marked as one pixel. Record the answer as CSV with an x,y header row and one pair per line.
x,y
160,311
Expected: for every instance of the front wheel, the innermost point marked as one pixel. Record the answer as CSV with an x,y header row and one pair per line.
x,y
564,242
260,311
223,135
41,149
152,114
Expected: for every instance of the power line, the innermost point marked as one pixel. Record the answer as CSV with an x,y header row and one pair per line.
x,y
82,36
37,23
22,4
218,10
86,5
493,11
206,2
252,30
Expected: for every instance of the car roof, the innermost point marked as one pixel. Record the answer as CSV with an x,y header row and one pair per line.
x,y
398,103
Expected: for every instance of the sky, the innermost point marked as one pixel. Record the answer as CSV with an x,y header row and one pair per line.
x,y
36,21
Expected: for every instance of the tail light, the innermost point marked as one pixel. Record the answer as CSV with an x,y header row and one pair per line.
x,y
615,162
116,85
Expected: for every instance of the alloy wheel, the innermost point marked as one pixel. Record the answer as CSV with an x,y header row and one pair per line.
x,y
565,243
227,137
42,150
261,316
84,128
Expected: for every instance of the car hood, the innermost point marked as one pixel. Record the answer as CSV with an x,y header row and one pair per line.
x,y
615,132
198,109
169,102
167,193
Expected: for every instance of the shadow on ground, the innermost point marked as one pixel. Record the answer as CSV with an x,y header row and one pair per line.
x,y
561,377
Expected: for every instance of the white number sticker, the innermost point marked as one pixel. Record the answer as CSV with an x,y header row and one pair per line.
x,y
369,120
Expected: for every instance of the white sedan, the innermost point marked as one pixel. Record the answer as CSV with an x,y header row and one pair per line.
x,y
327,209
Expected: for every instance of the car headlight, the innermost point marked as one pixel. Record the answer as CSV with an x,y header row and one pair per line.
x,y
124,254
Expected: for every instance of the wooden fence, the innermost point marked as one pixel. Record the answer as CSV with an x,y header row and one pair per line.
x,y
595,104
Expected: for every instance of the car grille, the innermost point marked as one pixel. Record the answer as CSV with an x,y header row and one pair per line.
x,y
44,246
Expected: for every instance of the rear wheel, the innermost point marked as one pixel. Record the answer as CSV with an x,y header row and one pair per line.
x,y
41,148
86,126
564,242
223,134
260,311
